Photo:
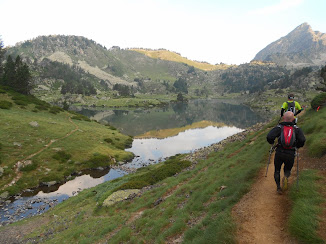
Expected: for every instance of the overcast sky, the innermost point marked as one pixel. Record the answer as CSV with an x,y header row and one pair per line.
x,y
228,31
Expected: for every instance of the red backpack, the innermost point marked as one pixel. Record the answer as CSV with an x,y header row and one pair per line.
x,y
287,137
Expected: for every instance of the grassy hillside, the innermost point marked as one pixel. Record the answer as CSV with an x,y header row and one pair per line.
x,y
192,207
175,57
50,143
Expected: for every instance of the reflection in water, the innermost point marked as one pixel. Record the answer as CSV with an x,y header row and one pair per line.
x,y
27,206
71,187
148,151
153,149
139,121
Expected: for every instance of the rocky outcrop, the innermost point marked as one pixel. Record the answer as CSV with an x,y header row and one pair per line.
x,y
301,47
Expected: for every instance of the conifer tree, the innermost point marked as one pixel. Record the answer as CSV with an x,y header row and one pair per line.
x,y
17,75
9,72
23,79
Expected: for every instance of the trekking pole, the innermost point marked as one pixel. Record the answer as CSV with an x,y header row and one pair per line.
x,y
297,153
270,154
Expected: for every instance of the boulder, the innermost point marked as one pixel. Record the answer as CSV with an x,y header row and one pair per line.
x,y
119,196
34,124
4,195
17,144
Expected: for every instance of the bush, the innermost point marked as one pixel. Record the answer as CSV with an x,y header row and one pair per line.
x,y
98,160
319,100
5,104
168,169
41,107
29,167
79,116
136,184
56,109
62,156
111,127
108,140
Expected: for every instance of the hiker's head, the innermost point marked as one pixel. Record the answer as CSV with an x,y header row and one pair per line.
x,y
288,116
291,96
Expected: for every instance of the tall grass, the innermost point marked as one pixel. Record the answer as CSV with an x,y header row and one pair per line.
x,y
303,221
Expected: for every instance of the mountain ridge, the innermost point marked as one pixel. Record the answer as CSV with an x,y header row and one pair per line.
x,y
301,47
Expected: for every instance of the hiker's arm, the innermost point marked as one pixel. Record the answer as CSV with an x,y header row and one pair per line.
x,y
283,108
301,139
275,132
299,111
282,112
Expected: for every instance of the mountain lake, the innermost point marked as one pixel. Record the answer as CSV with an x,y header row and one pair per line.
x,y
159,132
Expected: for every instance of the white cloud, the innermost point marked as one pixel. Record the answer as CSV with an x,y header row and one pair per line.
x,y
279,7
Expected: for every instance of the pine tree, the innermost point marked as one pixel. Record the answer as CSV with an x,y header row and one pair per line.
x,y
17,75
23,79
9,73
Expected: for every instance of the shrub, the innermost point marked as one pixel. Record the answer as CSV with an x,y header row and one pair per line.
x,y
56,109
98,160
21,102
136,184
128,142
168,169
29,167
41,107
111,127
5,104
318,100
108,140
62,156
78,116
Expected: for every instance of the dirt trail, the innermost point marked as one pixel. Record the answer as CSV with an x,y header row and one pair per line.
x,y
16,167
262,214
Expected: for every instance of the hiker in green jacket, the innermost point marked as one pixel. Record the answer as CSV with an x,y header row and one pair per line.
x,y
291,105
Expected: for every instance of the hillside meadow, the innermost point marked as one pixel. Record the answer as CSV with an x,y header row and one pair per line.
x,y
51,143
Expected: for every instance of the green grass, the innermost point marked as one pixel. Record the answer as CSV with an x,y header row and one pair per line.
x,y
68,152
193,205
313,125
303,221
189,205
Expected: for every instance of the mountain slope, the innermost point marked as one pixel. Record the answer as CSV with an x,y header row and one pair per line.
x,y
172,56
301,47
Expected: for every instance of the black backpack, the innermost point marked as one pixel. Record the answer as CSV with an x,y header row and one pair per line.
x,y
287,137
291,107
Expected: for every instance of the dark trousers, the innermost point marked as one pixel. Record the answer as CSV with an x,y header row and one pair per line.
x,y
280,158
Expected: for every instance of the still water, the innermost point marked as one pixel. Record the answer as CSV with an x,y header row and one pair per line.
x,y
147,151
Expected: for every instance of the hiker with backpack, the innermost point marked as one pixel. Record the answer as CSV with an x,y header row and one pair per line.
x,y
290,137
291,105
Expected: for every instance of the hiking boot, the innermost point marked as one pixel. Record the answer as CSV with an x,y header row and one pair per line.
x,y
279,190
285,183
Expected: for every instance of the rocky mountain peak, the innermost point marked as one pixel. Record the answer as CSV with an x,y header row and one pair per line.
x,y
302,46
